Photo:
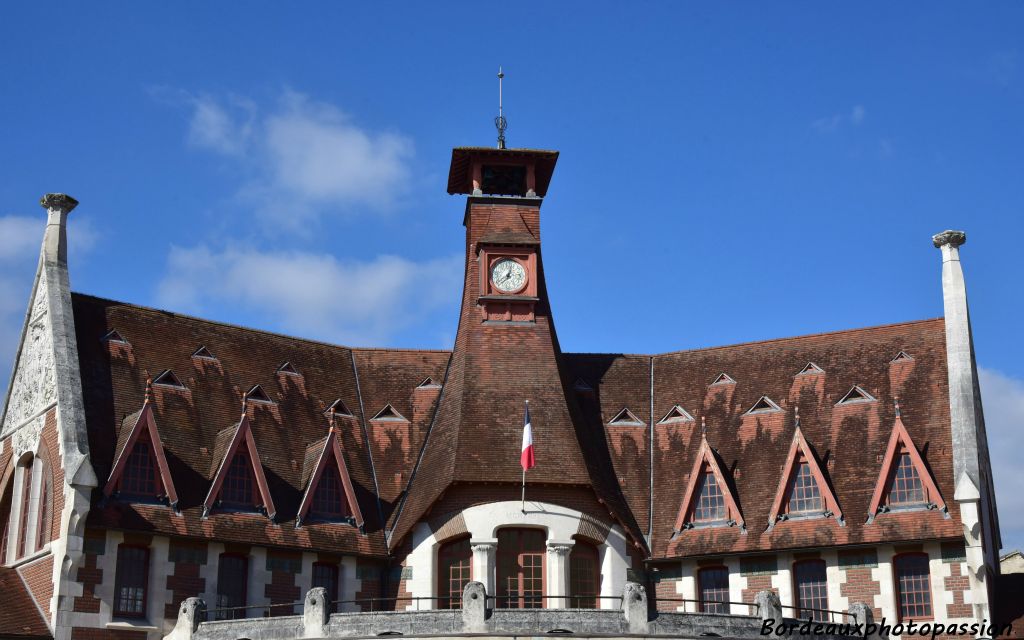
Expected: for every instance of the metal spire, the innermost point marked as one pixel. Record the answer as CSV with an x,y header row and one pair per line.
x,y
500,121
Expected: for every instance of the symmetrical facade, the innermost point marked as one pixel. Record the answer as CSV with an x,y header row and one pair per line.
x,y
148,457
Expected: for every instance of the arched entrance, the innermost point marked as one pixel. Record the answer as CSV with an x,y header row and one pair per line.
x,y
521,554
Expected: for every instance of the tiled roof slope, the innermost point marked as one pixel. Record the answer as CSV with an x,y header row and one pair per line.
x,y
19,616
189,421
848,439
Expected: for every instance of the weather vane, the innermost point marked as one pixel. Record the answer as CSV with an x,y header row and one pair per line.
x,y
500,121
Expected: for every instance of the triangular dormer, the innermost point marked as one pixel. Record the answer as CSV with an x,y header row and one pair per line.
x,y
113,336
428,384
582,385
257,394
810,369
902,356
625,418
140,472
288,369
167,379
203,354
676,414
723,378
708,500
329,495
239,483
338,408
855,395
764,404
389,413
803,490
904,481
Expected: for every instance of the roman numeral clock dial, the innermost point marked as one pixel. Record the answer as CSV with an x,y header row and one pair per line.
x,y
508,275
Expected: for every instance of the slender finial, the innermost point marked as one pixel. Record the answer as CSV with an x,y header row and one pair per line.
x,y
703,427
500,121
796,416
330,419
245,400
149,391
898,414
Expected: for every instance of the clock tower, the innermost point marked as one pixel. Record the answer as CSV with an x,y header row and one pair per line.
x,y
505,189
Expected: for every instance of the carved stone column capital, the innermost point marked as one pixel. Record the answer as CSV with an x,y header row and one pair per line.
x,y
61,202
952,238
560,547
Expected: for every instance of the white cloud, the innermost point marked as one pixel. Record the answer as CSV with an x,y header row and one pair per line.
x,y
302,158
351,302
832,123
1004,420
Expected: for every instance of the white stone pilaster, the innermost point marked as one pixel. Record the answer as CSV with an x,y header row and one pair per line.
x,y
484,566
558,573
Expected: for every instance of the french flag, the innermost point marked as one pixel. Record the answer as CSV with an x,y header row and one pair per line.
x,y
526,458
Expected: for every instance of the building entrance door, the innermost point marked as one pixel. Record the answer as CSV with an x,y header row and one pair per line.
x,y
521,555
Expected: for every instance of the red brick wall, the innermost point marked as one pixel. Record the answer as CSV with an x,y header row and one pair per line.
x,y
39,578
957,583
861,587
90,575
184,582
756,584
369,572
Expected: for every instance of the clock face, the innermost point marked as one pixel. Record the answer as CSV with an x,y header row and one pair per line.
x,y
508,275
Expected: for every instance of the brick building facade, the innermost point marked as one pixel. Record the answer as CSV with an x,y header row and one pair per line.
x,y
147,457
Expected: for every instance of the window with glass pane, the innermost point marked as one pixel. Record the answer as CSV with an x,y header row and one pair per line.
x,y
130,581
710,505
237,491
811,588
913,586
713,589
584,576
804,496
455,569
326,575
138,478
906,483
232,576
26,497
5,518
43,522
521,555
329,500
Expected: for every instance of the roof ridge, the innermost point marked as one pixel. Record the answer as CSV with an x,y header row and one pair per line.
x,y
232,325
754,342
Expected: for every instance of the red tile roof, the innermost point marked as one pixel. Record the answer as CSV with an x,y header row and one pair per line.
x,y
19,616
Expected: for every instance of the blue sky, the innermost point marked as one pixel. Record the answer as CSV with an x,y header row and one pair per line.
x,y
729,171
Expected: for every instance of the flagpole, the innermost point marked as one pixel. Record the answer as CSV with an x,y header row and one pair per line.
x,y
524,466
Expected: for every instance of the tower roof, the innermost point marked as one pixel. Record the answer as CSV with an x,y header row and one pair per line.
x,y
464,159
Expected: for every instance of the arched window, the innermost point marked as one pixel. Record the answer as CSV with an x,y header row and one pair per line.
x,y
44,505
906,489
584,576
710,501
521,554
913,586
804,495
25,507
811,589
5,519
454,570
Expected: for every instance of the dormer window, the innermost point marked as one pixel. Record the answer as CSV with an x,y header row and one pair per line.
x,y
168,379
804,496
710,506
906,490
138,480
238,491
329,502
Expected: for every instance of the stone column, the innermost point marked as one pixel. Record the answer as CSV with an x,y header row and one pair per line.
x,y
483,562
970,448
557,578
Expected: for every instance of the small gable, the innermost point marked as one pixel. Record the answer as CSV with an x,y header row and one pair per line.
x,y
239,483
203,354
140,472
257,394
329,496
904,481
855,395
708,500
810,369
676,414
723,378
113,336
803,490
764,404
288,369
168,379
388,413
338,408
902,356
582,385
428,384
625,418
